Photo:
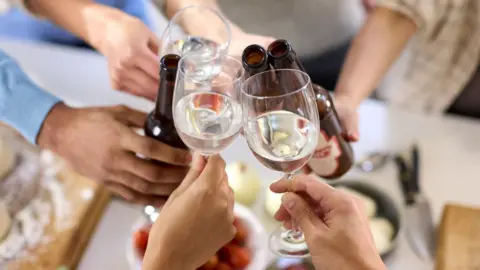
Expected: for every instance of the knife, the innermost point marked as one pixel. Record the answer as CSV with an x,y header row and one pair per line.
x,y
420,231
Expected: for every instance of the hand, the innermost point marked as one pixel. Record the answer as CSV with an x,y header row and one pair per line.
x,y
240,40
335,225
196,221
348,116
369,4
132,53
99,143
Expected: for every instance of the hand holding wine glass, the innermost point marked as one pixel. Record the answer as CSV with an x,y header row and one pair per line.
x,y
280,122
183,37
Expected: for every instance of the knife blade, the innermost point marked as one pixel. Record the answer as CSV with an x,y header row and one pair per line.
x,y
420,214
420,231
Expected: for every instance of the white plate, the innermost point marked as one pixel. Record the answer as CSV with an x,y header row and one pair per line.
x,y
257,240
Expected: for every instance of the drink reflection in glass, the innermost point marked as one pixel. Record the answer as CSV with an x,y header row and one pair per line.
x,y
281,125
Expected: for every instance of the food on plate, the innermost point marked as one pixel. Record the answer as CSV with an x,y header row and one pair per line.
x,y
370,204
140,239
273,201
5,221
242,233
7,159
382,232
233,256
244,181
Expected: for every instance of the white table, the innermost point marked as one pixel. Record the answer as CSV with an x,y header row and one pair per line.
x,y
450,147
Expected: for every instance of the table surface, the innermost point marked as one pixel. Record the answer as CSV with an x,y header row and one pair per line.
x,y
449,148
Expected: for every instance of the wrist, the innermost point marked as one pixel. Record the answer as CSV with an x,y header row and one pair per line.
x,y
51,131
374,263
158,256
103,20
346,99
163,262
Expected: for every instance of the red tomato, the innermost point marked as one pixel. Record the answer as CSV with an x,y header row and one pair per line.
x,y
238,257
140,239
242,233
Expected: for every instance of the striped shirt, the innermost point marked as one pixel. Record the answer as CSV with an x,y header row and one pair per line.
x,y
445,53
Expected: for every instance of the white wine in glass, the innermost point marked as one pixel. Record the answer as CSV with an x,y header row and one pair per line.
x,y
207,112
281,125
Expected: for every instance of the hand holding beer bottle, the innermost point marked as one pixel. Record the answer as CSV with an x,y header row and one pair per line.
x,y
338,122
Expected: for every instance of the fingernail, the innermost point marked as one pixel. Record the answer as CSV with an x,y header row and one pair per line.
x,y
287,203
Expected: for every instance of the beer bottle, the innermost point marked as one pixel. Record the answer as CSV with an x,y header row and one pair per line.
x,y
254,60
333,156
159,124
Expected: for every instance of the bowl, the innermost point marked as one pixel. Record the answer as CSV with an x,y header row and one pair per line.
x,y
386,208
257,241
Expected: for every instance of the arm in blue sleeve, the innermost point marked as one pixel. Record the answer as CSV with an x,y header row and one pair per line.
x,y
23,105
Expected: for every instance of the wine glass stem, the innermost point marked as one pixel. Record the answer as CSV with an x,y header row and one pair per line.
x,y
295,231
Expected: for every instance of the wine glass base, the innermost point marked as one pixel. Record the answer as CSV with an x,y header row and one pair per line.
x,y
284,243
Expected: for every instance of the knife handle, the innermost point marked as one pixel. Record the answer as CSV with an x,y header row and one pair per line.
x,y
404,178
415,169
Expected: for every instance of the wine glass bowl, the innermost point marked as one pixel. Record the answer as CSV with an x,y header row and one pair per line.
x,y
207,112
180,38
281,126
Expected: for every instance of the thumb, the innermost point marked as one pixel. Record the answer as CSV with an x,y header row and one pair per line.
x,y
196,168
300,211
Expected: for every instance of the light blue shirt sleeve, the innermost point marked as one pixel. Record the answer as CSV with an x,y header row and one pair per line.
x,y
23,105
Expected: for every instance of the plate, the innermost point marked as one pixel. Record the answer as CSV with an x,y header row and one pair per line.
x,y
257,241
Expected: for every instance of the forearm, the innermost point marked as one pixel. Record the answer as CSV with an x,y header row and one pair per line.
x,y
197,25
23,105
379,43
85,18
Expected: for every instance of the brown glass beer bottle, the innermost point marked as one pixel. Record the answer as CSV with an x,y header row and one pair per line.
x,y
254,60
333,156
159,124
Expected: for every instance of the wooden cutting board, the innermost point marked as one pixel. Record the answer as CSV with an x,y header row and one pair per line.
x,y
67,246
459,239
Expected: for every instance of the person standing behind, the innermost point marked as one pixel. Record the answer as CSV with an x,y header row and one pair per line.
x,y
316,28
443,71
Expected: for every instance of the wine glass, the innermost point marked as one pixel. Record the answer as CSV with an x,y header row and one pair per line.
x,y
207,112
180,38
281,125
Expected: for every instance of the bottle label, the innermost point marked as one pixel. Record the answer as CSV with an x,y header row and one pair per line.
x,y
325,161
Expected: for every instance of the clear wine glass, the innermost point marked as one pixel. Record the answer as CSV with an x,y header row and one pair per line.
x,y
280,124
181,38
207,112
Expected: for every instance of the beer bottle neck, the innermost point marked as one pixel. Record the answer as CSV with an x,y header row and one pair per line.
x,y
164,102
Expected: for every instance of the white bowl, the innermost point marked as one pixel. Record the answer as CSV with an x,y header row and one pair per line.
x,y
257,241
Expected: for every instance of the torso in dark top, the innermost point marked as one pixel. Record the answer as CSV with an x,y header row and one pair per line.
x,y
468,102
